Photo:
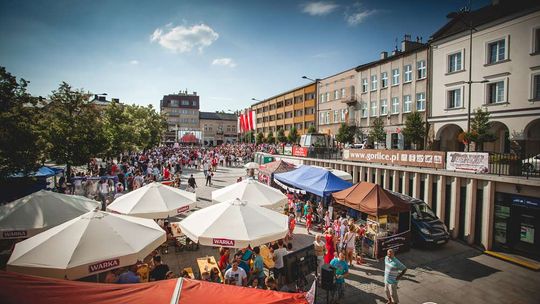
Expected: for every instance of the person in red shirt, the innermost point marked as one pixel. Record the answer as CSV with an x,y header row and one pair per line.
x,y
224,258
309,218
166,174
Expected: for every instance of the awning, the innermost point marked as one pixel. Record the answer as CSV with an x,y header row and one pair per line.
x,y
22,289
318,181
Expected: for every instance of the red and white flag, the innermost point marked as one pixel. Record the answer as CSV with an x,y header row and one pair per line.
x,y
247,121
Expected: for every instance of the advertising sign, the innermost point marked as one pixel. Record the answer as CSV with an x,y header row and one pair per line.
x,y
14,234
104,265
223,242
182,209
300,151
473,162
287,150
399,242
428,159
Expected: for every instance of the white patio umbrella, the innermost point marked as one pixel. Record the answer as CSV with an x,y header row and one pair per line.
x,y
153,201
40,211
235,224
89,244
339,173
251,191
251,165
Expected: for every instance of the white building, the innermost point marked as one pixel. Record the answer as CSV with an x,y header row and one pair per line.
x,y
505,77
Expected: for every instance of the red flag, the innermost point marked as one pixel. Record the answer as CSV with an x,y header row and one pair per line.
x,y
241,117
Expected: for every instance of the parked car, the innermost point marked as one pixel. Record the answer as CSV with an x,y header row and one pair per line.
x,y
427,229
531,164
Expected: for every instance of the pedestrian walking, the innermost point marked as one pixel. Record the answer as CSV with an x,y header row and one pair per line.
x,y
393,271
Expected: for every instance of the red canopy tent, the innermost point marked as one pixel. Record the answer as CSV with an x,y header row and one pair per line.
x,y
267,171
21,289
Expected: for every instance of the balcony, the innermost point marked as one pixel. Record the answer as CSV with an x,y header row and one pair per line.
x,y
350,99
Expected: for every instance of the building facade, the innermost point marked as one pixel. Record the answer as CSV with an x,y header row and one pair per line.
x,y
335,93
182,113
504,79
391,88
296,107
218,128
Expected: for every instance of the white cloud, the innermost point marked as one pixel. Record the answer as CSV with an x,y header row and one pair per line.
x,y
134,62
224,62
357,14
183,39
319,8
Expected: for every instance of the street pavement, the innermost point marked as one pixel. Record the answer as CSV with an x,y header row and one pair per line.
x,y
453,273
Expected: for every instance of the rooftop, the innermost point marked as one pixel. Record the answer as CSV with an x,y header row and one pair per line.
x,y
217,116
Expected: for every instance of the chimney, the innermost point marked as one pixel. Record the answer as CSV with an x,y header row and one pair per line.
x,y
395,52
405,42
384,55
194,93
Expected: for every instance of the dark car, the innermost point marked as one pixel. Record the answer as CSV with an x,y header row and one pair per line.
x,y
427,228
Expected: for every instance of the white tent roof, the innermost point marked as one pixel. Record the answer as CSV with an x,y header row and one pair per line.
x,y
153,201
40,211
235,224
251,191
89,244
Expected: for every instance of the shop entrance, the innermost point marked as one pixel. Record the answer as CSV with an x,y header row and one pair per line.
x,y
517,225
526,231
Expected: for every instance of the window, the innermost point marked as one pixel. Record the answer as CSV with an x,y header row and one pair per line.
x,y
395,105
384,107
327,96
309,111
536,40
536,87
364,85
327,117
496,51
323,98
343,114
373,109
420,101
336,116
321,118
384,79
336,94
407,103
363,109
454,62
454,99
395,76
495,92
288,114
298,113
299,126
185,102
421,69
343,93
374,82
408,73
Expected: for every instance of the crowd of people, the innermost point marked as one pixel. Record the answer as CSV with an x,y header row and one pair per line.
x,y
337,243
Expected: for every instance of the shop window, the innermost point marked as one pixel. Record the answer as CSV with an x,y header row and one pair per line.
x,y
479,217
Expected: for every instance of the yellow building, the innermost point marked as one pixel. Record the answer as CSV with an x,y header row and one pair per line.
x,y
296,107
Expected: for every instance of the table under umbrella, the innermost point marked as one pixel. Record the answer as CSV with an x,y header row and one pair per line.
x,y
154,201
92,243
251,191
234,224
40,211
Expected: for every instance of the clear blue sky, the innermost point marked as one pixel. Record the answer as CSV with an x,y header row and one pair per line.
x,y
227,51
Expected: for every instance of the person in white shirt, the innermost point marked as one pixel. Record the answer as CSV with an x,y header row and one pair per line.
x,y
236,275
278,259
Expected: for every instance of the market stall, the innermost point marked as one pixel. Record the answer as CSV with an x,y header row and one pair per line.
x,y
385,216
267,171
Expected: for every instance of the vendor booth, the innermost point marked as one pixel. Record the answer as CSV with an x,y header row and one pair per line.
x,y
267,171
385,216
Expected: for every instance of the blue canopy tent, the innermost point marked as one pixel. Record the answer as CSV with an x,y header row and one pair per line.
x,y
318,181
41,172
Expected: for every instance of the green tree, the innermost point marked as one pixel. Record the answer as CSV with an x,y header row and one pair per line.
x,y
260,138
415,129
72,127
21,145
117,130
377,133
345,134
249,137
270,138
480,130
293,136
311,130
281,136
149,126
